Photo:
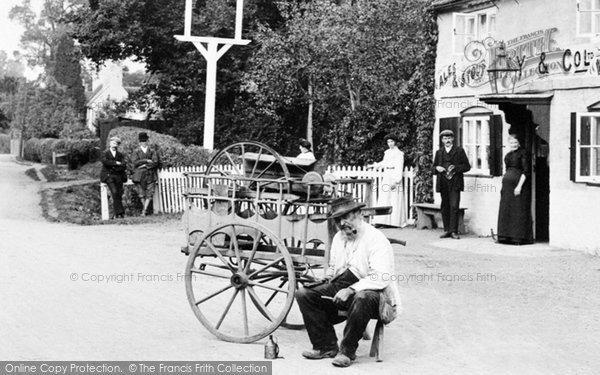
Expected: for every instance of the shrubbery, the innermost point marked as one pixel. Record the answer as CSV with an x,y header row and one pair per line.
x,y
4,144
172,153
78,152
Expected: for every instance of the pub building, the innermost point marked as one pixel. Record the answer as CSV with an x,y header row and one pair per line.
x,y
532,68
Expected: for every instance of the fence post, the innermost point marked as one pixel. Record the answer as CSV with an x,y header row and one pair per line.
x,y
104,201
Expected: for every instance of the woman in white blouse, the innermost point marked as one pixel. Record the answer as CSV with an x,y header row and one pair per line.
x,y
390,191
305,150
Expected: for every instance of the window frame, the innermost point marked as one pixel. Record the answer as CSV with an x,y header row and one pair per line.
x,y
595,116
594,27
489,13
486,142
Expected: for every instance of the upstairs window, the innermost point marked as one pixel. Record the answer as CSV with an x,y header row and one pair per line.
x,y
588,17
468,27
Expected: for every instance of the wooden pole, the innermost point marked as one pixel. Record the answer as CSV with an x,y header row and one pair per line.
x,y
187,31
238,19
209,103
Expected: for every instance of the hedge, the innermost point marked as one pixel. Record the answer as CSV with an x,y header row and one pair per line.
x,y
31,150
4,144
78,152
171,152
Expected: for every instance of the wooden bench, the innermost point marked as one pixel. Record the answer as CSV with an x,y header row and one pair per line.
x,y
427,212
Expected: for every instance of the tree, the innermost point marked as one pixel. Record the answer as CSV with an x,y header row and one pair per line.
x,y
43,112
350,63
48,44
144,29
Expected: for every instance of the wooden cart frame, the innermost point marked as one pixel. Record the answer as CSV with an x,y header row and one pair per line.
x,y
253,235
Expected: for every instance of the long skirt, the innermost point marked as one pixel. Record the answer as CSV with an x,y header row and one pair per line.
x,y
391,194
514,216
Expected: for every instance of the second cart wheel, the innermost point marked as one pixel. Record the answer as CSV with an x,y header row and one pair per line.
x,y
234,264
252,160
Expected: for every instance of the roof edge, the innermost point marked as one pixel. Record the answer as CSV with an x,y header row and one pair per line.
x,y
447,5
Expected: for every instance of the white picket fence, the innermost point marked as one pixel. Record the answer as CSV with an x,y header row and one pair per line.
x,y
376,174
171,185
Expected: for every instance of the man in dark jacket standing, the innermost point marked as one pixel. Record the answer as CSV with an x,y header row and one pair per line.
x,y
449,165
114,174
145,163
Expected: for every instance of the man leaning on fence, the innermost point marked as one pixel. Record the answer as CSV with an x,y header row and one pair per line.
x,y
114,174
145,164
358,280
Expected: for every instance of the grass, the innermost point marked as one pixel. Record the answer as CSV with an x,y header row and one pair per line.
x,y
80,204
61,173
32,174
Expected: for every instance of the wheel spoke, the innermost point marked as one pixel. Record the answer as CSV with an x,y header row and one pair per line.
x,y
269,287
265,267
232,163
226,309
275,293
254,248
245,313
196,270
256,163
220,256
266,169
213,295
259,305
236,248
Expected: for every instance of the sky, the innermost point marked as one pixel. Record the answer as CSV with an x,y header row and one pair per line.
x,y
10,33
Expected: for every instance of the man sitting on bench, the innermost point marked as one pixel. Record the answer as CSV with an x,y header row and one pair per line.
x,y
361,266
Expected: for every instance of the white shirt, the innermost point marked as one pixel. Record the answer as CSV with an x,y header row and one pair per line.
x,y
369,257
306,155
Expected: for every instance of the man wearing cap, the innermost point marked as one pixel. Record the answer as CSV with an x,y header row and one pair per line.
x,y
360,272
145,163
449,165
114,174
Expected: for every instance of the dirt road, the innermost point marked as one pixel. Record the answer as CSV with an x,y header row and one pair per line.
x,y
471,307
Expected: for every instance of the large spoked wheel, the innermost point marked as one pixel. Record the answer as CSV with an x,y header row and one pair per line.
x,y
234,264
253,160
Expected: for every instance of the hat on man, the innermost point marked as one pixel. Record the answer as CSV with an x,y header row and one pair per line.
x,y
116,139
341,206
143,137
447,133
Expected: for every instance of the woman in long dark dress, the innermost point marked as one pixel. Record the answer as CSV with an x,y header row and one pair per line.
x,y
514,217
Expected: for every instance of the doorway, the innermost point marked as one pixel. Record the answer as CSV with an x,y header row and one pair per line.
x,y
531,124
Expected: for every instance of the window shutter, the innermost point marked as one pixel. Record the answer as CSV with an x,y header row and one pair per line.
x,y
495,145
454,124
573,146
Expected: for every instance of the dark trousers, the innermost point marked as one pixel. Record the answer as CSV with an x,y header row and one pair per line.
x,y
321,314
115,185
450,205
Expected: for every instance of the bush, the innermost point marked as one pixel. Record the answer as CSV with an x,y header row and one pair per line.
x,y
46,149
82,151
79,152
171,152
31,150
4,144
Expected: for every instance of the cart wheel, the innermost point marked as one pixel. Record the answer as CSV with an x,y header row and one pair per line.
x,y
250,159
233,263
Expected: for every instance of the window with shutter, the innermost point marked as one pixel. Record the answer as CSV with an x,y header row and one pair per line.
x,y
585,147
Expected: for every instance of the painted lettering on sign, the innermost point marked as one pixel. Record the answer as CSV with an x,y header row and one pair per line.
x,y
538,49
